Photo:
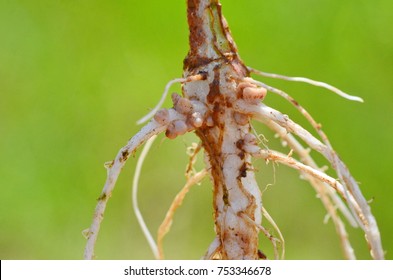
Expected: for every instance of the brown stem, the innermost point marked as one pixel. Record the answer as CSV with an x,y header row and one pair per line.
x,y
236,196
210,38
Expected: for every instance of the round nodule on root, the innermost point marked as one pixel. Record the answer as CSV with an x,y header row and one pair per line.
x,y
250,138
183,105
180,127
250,143
175,98
171,131
240,118
254,94
162,116
196,119
176,128
244,85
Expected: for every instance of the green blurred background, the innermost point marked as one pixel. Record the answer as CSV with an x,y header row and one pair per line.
x,y
75,76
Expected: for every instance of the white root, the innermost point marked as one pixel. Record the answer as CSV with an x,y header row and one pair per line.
x,y
261,112
138,214
113,170
320,176
368,223
330,154
323,190
291,162
373,236
308,81
355,199
306,158
310,119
